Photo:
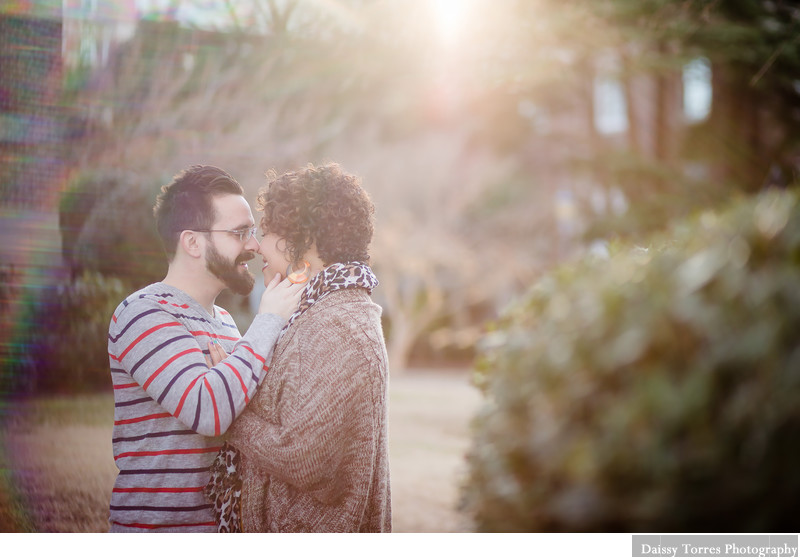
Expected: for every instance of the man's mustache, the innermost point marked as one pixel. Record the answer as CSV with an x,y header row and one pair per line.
x,y
245,257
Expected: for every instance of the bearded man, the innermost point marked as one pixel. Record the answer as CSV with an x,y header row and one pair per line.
x,y
171,405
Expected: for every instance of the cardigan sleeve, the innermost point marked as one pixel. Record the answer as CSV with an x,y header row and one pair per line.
x,y
328,421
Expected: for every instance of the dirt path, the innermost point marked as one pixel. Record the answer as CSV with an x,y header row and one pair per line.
x,y
429,417
63,471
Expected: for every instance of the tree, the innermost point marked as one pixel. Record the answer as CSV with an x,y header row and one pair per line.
x,y
466,147
253,102
653,390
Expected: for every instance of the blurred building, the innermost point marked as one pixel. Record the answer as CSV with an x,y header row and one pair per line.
x,y
92,28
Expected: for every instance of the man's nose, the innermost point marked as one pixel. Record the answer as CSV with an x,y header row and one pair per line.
x,y
252,244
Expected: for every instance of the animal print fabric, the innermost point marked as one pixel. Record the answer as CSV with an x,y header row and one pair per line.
x,y
225,490
336,276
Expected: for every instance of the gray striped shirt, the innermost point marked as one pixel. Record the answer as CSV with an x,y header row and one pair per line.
x,y
171,408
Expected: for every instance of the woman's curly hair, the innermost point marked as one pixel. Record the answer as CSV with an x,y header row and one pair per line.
x,y
318,205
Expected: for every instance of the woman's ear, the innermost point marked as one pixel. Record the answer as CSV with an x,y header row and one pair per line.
x,y
312,255
191,244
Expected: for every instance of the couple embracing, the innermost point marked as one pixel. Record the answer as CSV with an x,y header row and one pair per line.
x,y
284,428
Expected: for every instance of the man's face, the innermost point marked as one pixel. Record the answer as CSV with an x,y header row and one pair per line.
x,y
227,254
233,273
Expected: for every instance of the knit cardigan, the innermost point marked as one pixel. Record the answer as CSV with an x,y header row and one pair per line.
x,y
313,441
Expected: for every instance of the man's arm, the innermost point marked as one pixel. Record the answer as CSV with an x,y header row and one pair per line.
x,y
166,360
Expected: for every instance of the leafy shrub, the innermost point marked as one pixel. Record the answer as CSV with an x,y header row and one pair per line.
x,y
65,348
107,226
656,390
10,353
9,288
55,340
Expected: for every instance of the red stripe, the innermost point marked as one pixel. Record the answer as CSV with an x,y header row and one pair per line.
x,y
131,385
256,355
114,317
145,334
185,394
184,306
169,452
244,388
168,361
143,418
157,526
157,489
213,403
212,335
114,357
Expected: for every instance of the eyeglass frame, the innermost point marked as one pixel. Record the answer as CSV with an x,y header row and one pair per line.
x,y
240,232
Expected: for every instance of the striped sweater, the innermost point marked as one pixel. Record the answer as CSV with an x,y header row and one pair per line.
x,y
171,408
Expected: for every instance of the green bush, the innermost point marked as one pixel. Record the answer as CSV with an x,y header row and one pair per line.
x,y
65,345
107,226
656,390
10,355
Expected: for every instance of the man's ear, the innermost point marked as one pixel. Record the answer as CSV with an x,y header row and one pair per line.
x,y
191,243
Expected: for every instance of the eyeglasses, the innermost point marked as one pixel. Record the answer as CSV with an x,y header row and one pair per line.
x,y
243,234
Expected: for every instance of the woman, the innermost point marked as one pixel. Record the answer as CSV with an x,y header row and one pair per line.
x,y
309,453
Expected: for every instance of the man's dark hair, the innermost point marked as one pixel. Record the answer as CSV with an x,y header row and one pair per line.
x,y
188,202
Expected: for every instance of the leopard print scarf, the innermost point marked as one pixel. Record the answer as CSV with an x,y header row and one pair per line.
x,y
224,489
334,277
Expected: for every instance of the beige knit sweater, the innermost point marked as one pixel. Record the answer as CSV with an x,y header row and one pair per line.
x,y
314,439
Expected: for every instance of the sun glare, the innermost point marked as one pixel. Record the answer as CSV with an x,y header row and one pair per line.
x,y
450,16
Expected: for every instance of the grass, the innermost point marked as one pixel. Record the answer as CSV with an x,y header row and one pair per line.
x,y
57,463
85,409
57,469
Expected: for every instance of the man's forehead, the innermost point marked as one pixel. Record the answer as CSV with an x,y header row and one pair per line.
x,y
232,211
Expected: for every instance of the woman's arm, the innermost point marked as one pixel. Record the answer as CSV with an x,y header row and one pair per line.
x,y
327,411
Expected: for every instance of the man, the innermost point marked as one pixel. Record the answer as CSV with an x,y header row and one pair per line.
x,y
171,405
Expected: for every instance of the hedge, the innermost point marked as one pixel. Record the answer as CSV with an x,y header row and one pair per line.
x,y
61,341
655,390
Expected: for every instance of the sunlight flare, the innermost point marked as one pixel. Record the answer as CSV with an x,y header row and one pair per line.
x,y
450,16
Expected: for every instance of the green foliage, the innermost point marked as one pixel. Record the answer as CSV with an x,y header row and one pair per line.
x,y
656,390
9,286
92,410
111,248
63,347
107,226
10,356
57,341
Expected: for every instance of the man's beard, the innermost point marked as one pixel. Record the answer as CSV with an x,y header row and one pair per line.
x,y
235,278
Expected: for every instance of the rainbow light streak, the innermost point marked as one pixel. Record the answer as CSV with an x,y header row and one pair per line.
x,y
32,175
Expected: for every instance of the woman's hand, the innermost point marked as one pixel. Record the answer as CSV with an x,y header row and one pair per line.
x,y
216,353
280,297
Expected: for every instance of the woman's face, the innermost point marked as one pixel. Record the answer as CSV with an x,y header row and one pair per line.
x,y
276,257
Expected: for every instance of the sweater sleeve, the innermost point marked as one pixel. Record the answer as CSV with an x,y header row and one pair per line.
x,y
166,360
327,412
